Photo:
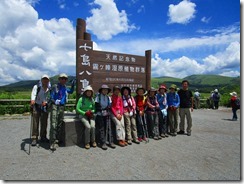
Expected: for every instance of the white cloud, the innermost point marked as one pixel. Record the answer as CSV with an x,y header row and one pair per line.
x,y
206,20
30,47
179,68
106,21
141,9
223,63
181,13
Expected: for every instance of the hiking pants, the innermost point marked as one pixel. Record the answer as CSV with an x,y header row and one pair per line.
x,y
120,127
130,124
56,119
42,117
89,129
185,113
153,123
141,126
102,122
234,113
173,120
163,127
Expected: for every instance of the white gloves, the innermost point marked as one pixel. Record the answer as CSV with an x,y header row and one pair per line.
x,y
57,102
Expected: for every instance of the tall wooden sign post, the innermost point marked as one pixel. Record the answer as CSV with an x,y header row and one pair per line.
x,y
100,67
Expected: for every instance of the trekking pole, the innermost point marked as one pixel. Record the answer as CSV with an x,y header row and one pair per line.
x,y
106,135
31,126
143,128
145,123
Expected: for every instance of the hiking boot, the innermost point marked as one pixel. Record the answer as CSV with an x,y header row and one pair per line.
x,y
136,141
121,143
140,139
129,142
166,135
144,138
155,138
104,147
34,142
87,146
188,133
181,132
163,135
44,139
159,137
53,147
125,143
112,145
94,144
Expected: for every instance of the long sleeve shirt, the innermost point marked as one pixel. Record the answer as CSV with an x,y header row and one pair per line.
x,y
117,105
129,104
42,95
162,101
173,99
152,103
140,102
61,93
85,104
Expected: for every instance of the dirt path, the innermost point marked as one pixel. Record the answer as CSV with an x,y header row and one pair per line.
x,y
211,153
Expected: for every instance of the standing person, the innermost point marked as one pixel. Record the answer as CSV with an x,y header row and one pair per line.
x,y
173,100
86,108
39,103
103,120
162,101
129,108
141,104
216,98
152,113
235,104
59,96
186,107
117,116
197,99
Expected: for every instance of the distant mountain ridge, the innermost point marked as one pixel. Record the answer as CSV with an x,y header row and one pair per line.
x,y
206,82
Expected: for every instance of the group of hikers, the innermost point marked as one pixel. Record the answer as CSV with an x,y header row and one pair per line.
x,y
118,118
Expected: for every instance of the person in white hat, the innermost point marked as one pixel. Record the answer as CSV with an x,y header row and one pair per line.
x,y
59,96
216,98
86,108
39,103
103,119
235,104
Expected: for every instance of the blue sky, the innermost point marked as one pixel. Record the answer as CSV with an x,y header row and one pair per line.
x,y
186,36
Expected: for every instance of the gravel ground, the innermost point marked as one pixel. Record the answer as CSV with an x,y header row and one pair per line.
x,y
211,153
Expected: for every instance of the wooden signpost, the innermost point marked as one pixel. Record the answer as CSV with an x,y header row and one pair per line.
x,y
101,67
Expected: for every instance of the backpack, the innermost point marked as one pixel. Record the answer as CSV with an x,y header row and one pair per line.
x,y
238,103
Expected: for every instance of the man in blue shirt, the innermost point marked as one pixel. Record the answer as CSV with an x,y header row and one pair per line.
x,y
173,109
59,96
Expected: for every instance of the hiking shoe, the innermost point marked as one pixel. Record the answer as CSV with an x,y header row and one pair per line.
x,y
125,143
129,142
166,135
159,137
136,141
112,145
144,138
155,138
104,147
181,132
44,139
163,135
188,133
140,139
53,147
87,146
34,142
94,144
121,143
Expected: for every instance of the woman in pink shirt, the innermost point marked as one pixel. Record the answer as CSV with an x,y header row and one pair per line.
x,y
129,106
117,116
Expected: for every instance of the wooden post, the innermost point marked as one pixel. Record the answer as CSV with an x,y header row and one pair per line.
x,y
148,55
